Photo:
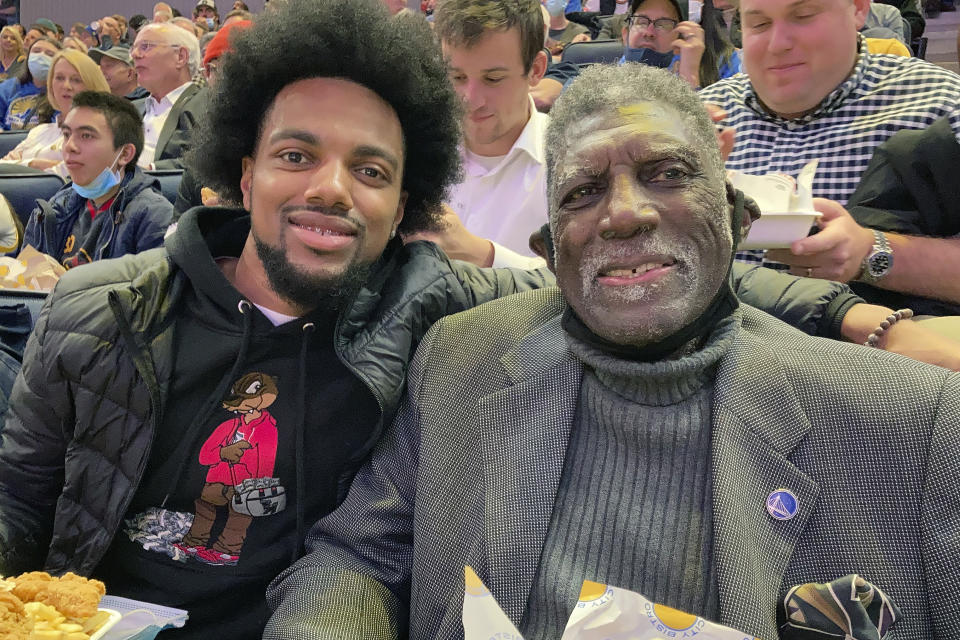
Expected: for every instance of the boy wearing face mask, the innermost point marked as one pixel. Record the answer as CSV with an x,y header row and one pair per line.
x,y
111,208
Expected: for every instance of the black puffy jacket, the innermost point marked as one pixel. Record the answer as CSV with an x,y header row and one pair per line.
x,y
97,370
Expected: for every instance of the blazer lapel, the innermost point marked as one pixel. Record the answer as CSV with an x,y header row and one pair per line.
x,y
173,119
524,430
757,422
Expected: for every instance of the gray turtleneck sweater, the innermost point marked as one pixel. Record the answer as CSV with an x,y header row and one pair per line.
x,y
633,505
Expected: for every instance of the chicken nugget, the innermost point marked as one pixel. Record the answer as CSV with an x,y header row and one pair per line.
x,y
26,586
70,576
14,624
72,598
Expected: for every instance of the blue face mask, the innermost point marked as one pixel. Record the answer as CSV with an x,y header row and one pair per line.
x,y
100,185
649,57
556,7
39,66
210,23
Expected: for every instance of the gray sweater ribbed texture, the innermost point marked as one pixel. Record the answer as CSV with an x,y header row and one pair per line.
x,y
633,505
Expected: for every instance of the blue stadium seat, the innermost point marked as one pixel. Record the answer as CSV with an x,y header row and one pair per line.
x,y
23,189
9,140
169,182
597,51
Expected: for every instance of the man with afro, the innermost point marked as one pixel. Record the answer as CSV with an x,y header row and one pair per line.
x,y
335,125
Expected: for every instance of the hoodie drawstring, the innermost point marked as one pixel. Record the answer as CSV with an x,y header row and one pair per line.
x,y
213,402
301,497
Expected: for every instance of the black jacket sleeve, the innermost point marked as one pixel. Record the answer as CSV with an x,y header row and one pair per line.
x,y
816,307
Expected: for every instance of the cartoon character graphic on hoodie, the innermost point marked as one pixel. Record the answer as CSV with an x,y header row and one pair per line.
x,y
239,456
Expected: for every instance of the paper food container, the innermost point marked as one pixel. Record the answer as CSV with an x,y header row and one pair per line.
x,y
777,230
786,207
111,621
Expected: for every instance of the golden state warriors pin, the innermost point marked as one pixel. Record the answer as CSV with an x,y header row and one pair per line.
x,y
782,504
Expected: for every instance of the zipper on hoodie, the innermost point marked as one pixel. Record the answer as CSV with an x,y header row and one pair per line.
x,y
116,213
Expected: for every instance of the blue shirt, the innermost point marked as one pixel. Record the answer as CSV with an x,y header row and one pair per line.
x,y
18,104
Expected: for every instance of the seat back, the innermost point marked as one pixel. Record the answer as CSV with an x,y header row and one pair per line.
x,y
23,189
169,182
596,51
10,139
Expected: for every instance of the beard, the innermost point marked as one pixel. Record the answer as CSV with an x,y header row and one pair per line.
x,y
307,290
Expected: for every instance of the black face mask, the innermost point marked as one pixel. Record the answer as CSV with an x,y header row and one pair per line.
x,y
723,304
648,57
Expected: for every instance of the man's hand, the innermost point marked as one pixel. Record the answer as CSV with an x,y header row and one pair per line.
x,y
456,241
43,165
907,337
835,253
581,37
232,453
690,47
726,136
545,93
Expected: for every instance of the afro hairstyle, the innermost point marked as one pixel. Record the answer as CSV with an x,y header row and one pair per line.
x,y
395,57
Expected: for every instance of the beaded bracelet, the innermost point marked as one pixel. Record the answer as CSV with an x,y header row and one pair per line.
x,y
874,338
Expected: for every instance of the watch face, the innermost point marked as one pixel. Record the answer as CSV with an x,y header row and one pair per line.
x,y
880,264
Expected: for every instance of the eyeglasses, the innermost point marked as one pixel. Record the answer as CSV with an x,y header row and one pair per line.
x,y
144,47
660,24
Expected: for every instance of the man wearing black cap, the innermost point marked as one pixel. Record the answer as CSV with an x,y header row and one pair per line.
x,y
117,67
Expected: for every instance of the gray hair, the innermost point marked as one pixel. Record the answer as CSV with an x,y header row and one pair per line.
x,y
175,35
602,89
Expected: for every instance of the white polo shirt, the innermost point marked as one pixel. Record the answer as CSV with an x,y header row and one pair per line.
x,y
505,199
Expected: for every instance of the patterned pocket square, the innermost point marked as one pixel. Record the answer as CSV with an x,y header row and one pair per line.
x,y
849,608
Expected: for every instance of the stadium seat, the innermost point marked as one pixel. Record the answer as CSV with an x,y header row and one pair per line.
x,y
23,189
597,51
9,140
169,182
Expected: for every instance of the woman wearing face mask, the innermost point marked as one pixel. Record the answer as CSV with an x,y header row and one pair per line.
x,y
22,97
70,73
12,59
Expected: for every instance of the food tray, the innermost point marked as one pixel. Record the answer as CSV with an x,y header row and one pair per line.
x,y
111,621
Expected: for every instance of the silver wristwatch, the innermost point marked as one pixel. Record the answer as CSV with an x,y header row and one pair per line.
x,y
879,261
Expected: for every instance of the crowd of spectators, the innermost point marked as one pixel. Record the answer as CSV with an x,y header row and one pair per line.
x,y
212,410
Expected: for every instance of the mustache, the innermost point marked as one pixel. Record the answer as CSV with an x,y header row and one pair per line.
x,y
336,212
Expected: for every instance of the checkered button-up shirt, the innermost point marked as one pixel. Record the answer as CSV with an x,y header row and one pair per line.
x,y
883,95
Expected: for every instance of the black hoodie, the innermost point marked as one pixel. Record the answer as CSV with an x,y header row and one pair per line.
x,y
269,408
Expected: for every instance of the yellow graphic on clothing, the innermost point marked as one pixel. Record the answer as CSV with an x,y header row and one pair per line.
x,y
71,241
22,112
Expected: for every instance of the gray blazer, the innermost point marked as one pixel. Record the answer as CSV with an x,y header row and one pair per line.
x,y
174,139
468,474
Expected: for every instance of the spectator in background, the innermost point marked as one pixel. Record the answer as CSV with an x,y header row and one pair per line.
x,y
124,28
23,97
237,15
162,12
84,34
206,13
138,21
561,31
108,32
110,209
34,33
395,6
884,22
76,44
166,57
912,12
12,56
240,5
71,72
117,67
51,28
815,92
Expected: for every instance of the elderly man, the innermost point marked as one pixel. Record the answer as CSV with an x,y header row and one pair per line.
x,y
636,427
108,32
166,58
814,92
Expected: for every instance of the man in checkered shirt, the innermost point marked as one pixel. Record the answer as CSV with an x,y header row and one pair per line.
x,y
814,92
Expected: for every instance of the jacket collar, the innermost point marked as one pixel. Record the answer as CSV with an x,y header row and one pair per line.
x,y
757,422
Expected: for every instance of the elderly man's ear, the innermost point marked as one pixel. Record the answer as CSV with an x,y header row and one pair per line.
x,y
750,210
541,243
